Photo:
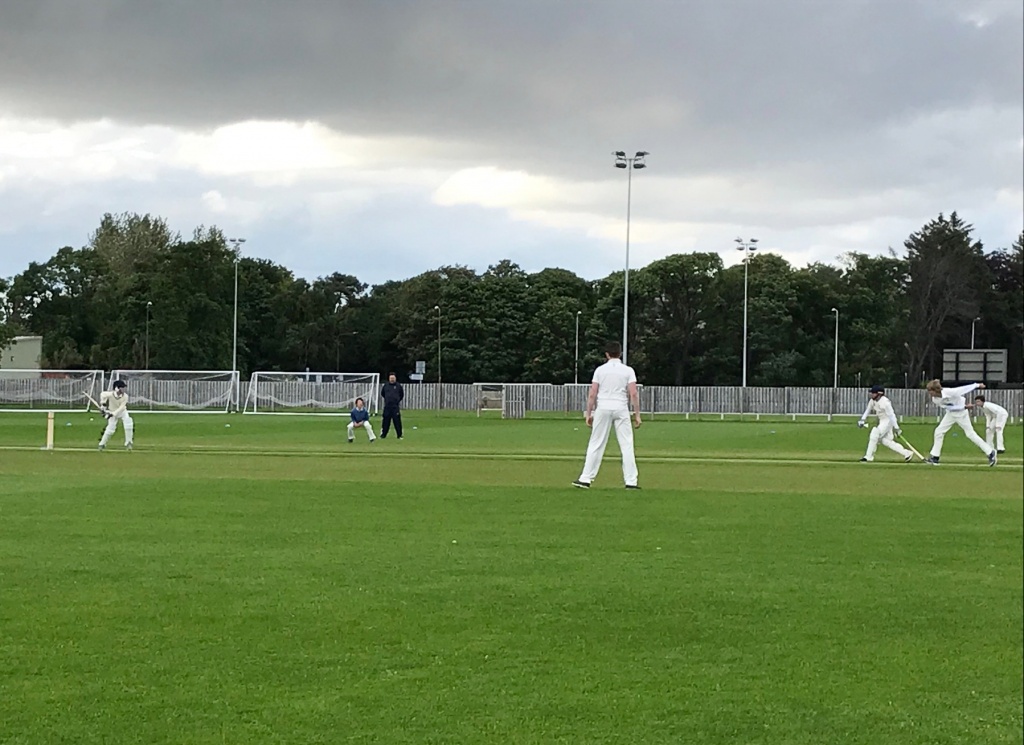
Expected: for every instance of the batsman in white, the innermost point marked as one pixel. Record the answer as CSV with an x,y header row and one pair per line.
x,y
612,391
114,406
951,400
880,405
995,421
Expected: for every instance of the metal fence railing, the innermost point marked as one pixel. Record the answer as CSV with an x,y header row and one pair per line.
x,y
696,400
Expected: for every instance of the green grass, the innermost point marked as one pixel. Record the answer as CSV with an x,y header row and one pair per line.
x,y
268,583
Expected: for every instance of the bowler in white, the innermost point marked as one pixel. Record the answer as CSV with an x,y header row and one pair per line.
x,y
880,405
995,420
612,391
951,400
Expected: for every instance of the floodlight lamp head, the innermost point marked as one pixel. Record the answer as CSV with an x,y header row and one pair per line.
x,y
835,310
619,153
638,164
620,164
641,153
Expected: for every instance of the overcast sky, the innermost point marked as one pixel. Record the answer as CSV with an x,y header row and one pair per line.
x,y
383,138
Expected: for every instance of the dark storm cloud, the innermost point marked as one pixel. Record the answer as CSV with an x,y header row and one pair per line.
x,y
707,85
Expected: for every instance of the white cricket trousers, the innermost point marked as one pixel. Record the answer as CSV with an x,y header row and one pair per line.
x,y
604,420
365,425
962,418
883,434
126,422
994,433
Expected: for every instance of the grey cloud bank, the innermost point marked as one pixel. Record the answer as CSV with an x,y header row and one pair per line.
x,y
781,117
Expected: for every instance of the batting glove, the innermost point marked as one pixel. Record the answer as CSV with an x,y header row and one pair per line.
x,y
861,423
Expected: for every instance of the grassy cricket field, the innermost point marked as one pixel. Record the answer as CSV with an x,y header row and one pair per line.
x,y
250,579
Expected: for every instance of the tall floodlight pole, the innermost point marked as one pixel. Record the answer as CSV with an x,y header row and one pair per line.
x,y
748,248
439,388
636,162
236,246
576,362
835,367
973,321
149,307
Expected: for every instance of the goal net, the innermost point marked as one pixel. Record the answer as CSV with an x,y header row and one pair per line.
x,y
310,392
179,390
508,398
49,390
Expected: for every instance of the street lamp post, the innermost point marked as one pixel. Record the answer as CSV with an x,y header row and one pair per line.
x,y
576,361
835,367
636,162
973,321
149,307
236,246
748,248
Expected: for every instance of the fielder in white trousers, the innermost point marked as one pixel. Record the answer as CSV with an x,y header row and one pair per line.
x,y
995,422
612,391
952,401
365,425
604,421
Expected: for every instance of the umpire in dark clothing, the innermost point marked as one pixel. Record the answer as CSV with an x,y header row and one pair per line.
x,y
392,394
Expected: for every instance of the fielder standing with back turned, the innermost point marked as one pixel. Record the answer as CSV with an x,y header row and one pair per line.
x,y
880,405
612,391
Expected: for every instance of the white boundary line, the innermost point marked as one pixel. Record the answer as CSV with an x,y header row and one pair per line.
x,y
341,453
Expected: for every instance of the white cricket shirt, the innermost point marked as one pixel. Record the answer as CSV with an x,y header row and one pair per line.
x,y
882,408
952,399
116,404
994,413
613,379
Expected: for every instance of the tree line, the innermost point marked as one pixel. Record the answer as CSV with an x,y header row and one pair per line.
x,y
140,295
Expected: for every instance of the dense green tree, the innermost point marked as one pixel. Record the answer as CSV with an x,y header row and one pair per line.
x,y
138,293
948,275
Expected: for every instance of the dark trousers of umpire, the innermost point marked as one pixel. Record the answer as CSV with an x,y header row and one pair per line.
x,y
391,415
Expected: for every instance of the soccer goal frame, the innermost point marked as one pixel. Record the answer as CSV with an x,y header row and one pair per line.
x,y
49,390
310,393
508,398
180,391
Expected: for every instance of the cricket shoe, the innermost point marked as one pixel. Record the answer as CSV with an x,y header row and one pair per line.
x,y
933,460
632,486
128,447
353,440
581,484
992,458
864,460
907,458
1000,451
101,447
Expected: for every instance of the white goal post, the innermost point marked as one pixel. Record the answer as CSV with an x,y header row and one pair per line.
x,y
210,391
49,390
325,393
508,398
